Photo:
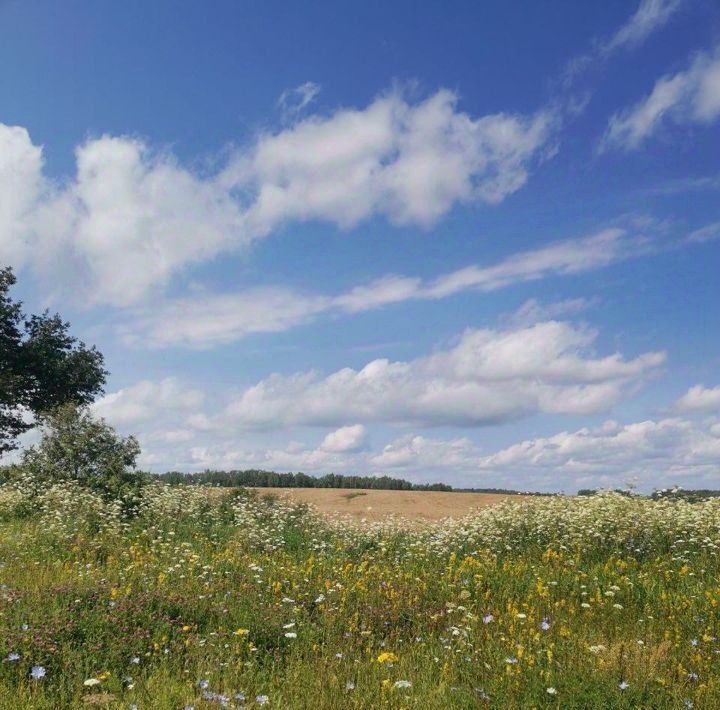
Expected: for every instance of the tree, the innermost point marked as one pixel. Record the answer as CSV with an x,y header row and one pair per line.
x,y
77,447
41,366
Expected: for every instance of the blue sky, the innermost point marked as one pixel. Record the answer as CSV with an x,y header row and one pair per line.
x,y
476,243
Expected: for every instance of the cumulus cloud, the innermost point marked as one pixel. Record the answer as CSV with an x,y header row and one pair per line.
x,y
490,376
650,453
689,96
699,398
416,457
147,400
128,221
20,189
204,321
410,162
132,217
293,457
657,453
345,439
421,453
662,452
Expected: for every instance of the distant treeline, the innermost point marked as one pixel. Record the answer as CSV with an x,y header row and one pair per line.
x,y
254,478
270,479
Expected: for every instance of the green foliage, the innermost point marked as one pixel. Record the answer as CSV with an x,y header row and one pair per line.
x,y
271,479
256,478
78,448
41,366
605,601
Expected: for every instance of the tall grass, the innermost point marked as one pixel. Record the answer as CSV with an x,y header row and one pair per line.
x,y
235,601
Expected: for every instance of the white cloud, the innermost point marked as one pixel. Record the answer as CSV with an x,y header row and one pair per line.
x,y
650,453
690,96
409,162
699,398
650,17
653,452
488,377
204,321
534,311
420,453
686,184
572,256
164,415
705,234
345,439
128,221
416,456
133,217
148,401
20,188
293,457
293,101
380,292
173,436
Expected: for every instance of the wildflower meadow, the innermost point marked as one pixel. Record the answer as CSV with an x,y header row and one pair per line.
x,y
202,599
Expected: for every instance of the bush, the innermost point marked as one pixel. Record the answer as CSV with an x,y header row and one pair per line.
x,y
75,447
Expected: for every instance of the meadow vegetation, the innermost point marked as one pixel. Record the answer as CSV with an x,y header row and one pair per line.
x,y
190,600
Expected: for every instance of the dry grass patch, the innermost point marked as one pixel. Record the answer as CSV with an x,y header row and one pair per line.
x,y
377,505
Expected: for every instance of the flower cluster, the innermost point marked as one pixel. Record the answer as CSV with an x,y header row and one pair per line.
x,y
215,598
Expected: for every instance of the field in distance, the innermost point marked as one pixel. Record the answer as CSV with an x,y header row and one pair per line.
x,y
375,504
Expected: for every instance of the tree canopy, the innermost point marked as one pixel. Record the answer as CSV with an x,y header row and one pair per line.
x,y
77,447
42,366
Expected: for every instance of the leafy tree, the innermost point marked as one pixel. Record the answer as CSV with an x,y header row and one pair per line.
x,y
41,366
77,447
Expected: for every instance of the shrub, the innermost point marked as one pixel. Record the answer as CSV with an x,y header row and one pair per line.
x,y
77,448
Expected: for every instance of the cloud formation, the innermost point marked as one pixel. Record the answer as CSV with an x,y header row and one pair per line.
x,y
147,400
699,398
345,439
663,452
132,217
293,101
490,376
705,234
208,320
689,96
534,311
653,452
651,16
421,453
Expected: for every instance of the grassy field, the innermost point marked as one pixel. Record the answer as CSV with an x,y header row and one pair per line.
x,y
231,601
